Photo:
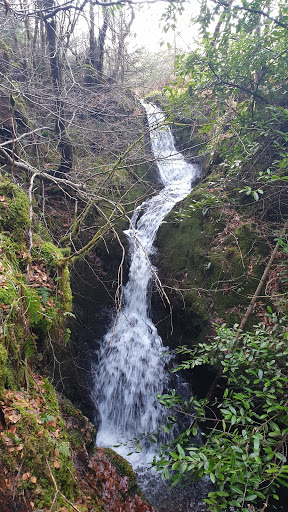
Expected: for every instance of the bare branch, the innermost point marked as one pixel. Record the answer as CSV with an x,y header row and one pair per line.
x,y
7,142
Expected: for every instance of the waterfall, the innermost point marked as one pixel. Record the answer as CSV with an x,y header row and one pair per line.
x,y
131,370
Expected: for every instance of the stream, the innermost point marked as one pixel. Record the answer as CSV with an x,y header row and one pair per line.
x,y
131,369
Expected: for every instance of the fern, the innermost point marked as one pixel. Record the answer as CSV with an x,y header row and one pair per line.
x,y
44,294
29,347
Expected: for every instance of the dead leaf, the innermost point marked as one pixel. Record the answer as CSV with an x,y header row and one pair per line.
x,y
14,418
20,447
25,476
56,464
52,424
8,440
11,450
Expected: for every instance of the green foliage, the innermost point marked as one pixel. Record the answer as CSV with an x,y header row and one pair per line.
x,y
235,98
209,201
243,447
44,294
254,193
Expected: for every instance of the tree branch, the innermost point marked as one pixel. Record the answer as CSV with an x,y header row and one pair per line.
x,y
253,11
47,13
233,85
23,136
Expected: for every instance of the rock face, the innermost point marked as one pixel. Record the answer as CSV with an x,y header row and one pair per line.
x,y
211,258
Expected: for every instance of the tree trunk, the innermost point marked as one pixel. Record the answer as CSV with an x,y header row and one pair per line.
x,y
65,145
100,45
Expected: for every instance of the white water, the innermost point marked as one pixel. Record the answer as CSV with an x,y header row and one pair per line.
x,y
130,371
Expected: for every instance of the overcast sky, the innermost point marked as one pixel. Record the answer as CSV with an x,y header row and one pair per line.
x,y
148,27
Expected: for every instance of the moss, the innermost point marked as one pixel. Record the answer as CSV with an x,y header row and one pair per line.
x,y
81,431
50,254
39,441
4,47
14,210
8,294
66,289
29,309
3,368
39,447
248,237
215,260
68,409
51,398
197,304
123,468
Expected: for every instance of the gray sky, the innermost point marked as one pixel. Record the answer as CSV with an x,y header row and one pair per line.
x,y
149,27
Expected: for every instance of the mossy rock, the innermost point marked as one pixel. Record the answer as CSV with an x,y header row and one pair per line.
x,y
216,269
82,432
123,468
14,211
29,307
51,257
35,449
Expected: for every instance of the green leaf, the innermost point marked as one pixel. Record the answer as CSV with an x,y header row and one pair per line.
x,y
138,446
212,478
281,481
280,456
180,450
252,497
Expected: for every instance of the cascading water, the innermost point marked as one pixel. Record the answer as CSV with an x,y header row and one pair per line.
x,y
130,371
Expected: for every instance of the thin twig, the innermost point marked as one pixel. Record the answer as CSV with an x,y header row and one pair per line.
x,y
57,491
